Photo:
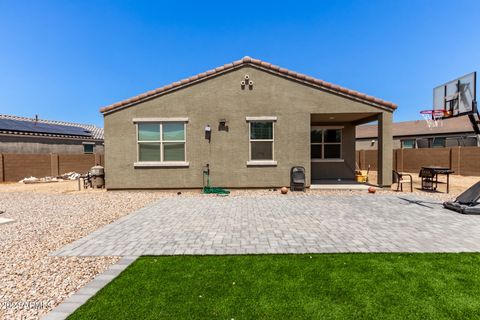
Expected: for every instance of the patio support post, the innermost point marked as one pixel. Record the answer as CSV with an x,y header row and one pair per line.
x,y
385,150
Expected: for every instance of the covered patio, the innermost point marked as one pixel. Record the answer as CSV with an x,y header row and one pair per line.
x,y
332,152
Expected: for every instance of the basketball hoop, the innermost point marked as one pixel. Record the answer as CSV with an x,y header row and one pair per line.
x,y
434,118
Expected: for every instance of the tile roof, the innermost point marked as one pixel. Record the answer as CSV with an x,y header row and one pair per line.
x,y
419,128
97,132
260,64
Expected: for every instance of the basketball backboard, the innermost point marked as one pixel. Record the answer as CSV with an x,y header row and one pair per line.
x,y
456,97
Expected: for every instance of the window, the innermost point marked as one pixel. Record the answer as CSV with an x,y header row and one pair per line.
x,y
88,147
162,142
437,142
261,140
326,143
408,144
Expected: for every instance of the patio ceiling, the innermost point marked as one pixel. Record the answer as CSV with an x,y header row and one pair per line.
x,y
342,117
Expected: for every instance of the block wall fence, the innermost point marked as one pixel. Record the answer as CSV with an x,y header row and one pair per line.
x,y
16,166
463,160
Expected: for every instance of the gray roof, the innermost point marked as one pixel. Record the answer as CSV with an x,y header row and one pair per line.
x,y
96,132
455,125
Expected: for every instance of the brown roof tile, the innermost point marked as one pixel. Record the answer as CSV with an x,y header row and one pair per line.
x,y
248,60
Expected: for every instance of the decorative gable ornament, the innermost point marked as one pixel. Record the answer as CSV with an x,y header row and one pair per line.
x,y
246,82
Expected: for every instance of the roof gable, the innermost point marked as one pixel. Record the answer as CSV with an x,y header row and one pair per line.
x,y
259,64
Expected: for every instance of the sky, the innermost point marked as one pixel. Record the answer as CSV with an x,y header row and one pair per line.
x,y
63,60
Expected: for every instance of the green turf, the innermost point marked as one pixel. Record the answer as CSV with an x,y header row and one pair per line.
x,y
320,286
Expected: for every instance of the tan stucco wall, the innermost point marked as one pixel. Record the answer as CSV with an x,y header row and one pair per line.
x,y
28,144
222,97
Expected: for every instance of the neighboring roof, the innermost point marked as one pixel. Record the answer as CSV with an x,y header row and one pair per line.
x,y
419,128
50,128
259,64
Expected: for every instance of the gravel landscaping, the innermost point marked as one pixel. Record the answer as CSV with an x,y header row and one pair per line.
x,y
47,217
33,283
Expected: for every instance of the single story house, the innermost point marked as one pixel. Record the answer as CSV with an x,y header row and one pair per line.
x,y
454,132
34,135
250,122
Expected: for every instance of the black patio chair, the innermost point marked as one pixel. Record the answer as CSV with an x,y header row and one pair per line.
x,y
401,178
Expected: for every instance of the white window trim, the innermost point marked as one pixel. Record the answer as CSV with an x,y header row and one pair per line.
x,y
251,162
328,143
149,164
261,163
175,119
162,162
262,118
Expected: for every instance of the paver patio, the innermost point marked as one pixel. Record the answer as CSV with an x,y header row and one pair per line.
x,y
303,223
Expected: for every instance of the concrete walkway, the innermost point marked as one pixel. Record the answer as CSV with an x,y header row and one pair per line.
x,y
302,223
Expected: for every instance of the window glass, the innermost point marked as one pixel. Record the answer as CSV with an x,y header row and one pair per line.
x,y
88,148
316,151
332,151
148,132
469,142
174,151
333,135
161,141
326,143
261,130
316,136
422,143
173,131
149,152
408,144
438,142
261,150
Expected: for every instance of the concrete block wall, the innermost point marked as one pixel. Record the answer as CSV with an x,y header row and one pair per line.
x,y
16,166
462,160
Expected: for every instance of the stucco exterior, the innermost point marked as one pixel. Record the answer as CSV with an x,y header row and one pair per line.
x,y
222,97
28,144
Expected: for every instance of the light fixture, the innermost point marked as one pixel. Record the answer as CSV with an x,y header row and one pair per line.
x,y
222,125
208,133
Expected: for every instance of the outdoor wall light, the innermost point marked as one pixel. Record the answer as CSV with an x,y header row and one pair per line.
x,y
222,125
208,133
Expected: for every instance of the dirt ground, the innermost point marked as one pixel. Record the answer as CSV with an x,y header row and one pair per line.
x,y
458,184
51,187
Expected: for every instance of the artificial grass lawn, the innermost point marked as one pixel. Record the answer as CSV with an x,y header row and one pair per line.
x,y
317,286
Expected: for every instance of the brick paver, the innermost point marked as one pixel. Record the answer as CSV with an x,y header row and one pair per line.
x,y
302,223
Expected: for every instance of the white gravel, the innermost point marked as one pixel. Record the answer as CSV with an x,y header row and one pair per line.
x,y
49,217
